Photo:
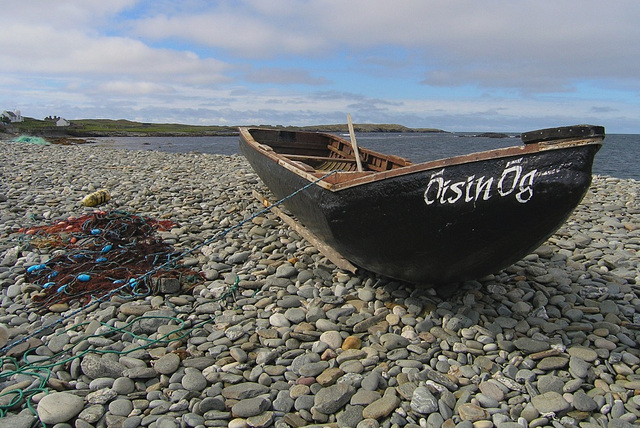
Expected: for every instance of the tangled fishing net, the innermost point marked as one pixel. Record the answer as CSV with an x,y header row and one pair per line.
x,y
101,252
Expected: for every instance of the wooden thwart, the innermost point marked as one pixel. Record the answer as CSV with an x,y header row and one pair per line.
x,y
317,158
335,257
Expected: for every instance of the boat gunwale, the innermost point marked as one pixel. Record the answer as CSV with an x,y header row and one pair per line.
x,y
341,180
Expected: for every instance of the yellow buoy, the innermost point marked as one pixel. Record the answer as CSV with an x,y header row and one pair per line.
x,y
96,198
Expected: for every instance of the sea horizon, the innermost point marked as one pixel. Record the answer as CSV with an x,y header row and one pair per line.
x,y
617,158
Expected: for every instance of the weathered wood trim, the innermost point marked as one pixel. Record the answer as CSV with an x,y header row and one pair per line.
x,y
335,257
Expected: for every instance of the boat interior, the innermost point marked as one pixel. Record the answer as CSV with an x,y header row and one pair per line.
x,y
314,152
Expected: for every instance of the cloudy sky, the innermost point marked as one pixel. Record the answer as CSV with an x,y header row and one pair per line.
x,y
494,65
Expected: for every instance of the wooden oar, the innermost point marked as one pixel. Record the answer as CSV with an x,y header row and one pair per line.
x,y
354,144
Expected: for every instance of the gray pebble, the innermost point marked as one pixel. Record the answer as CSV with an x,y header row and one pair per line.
x,y
121,407
132,422
59,407
272,354
250,407
423,401
167,364
578,367
329,400
193,380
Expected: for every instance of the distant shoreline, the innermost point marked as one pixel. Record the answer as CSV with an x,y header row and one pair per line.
x,y
93,128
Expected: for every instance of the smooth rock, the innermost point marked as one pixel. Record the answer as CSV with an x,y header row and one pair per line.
x,y
250,407
549,402
330,399
167,364
423,401
59,407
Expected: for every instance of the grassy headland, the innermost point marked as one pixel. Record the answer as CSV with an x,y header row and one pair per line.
x,y
87,128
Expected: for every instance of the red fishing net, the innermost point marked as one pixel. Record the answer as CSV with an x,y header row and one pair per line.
x,y
100,252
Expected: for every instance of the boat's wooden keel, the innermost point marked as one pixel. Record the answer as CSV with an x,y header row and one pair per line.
x,y
327,251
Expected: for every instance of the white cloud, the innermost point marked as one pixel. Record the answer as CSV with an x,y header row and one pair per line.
x,y
132,88
283,76
64,14
532,46
420,63
62,43
233,32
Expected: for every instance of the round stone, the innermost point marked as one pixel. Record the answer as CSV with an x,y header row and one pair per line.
x,y
167,364
121,407
250,407
279,320
351,342
193,380
59,407
332,338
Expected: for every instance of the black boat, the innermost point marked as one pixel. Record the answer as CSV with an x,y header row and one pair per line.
x,y
435,222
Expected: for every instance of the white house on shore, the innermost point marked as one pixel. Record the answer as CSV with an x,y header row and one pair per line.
x,y
13,116
62,122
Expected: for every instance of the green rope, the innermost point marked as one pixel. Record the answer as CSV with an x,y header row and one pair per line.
x,y
42,369
147,276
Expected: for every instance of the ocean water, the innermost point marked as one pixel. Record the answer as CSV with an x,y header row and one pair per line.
x,y
619,156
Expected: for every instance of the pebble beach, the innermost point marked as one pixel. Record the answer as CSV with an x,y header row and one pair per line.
x,y
275,335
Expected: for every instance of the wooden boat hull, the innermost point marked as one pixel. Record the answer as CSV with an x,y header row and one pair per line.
x,y
439,224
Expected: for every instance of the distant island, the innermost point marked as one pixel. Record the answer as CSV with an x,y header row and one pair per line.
x,y
489,135
88,128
